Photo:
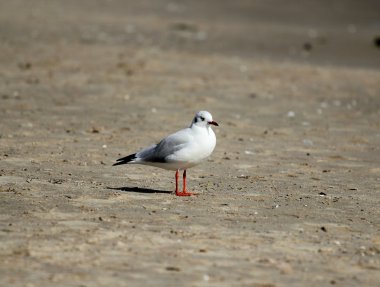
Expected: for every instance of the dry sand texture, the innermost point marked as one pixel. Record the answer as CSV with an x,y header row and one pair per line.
x,y
290,196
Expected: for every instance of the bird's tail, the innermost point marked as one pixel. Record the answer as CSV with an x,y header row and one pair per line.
x,y
125,160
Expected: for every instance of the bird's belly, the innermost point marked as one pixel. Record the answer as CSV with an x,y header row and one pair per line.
x,y
172,165
187,158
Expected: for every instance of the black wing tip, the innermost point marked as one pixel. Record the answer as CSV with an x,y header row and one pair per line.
x,y
125,160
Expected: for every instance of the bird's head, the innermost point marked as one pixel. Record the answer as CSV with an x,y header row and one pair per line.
x,y
203,119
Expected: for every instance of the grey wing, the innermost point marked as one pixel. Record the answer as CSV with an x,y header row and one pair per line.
x,y
166,147
147,153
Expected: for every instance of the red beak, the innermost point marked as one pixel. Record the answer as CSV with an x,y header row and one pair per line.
x,y
213,123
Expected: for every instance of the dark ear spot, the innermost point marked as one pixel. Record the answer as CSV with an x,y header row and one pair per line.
x,y
195,119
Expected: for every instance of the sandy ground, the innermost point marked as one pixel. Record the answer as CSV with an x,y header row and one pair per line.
x,y
290,196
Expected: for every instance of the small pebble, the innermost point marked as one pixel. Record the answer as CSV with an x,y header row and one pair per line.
x,y
307,46
291,114
376,41
307,142
173,268
243,176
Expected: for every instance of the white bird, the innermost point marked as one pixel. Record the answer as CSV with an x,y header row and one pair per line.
x,y
179,151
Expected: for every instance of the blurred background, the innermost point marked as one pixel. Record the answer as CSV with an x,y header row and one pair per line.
x,y
341,32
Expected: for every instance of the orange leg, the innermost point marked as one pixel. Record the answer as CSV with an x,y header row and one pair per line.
x,y
184,192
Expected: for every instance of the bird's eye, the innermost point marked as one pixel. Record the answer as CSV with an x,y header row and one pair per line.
x,y
202,118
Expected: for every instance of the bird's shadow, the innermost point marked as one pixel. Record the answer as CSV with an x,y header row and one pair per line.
x,y
139,189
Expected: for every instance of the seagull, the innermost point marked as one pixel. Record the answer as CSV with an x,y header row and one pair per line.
x,y
179,151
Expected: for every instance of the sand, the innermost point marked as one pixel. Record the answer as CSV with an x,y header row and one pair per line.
x,y
290,196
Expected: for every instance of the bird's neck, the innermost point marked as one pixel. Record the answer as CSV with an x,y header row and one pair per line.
x,y
205,129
